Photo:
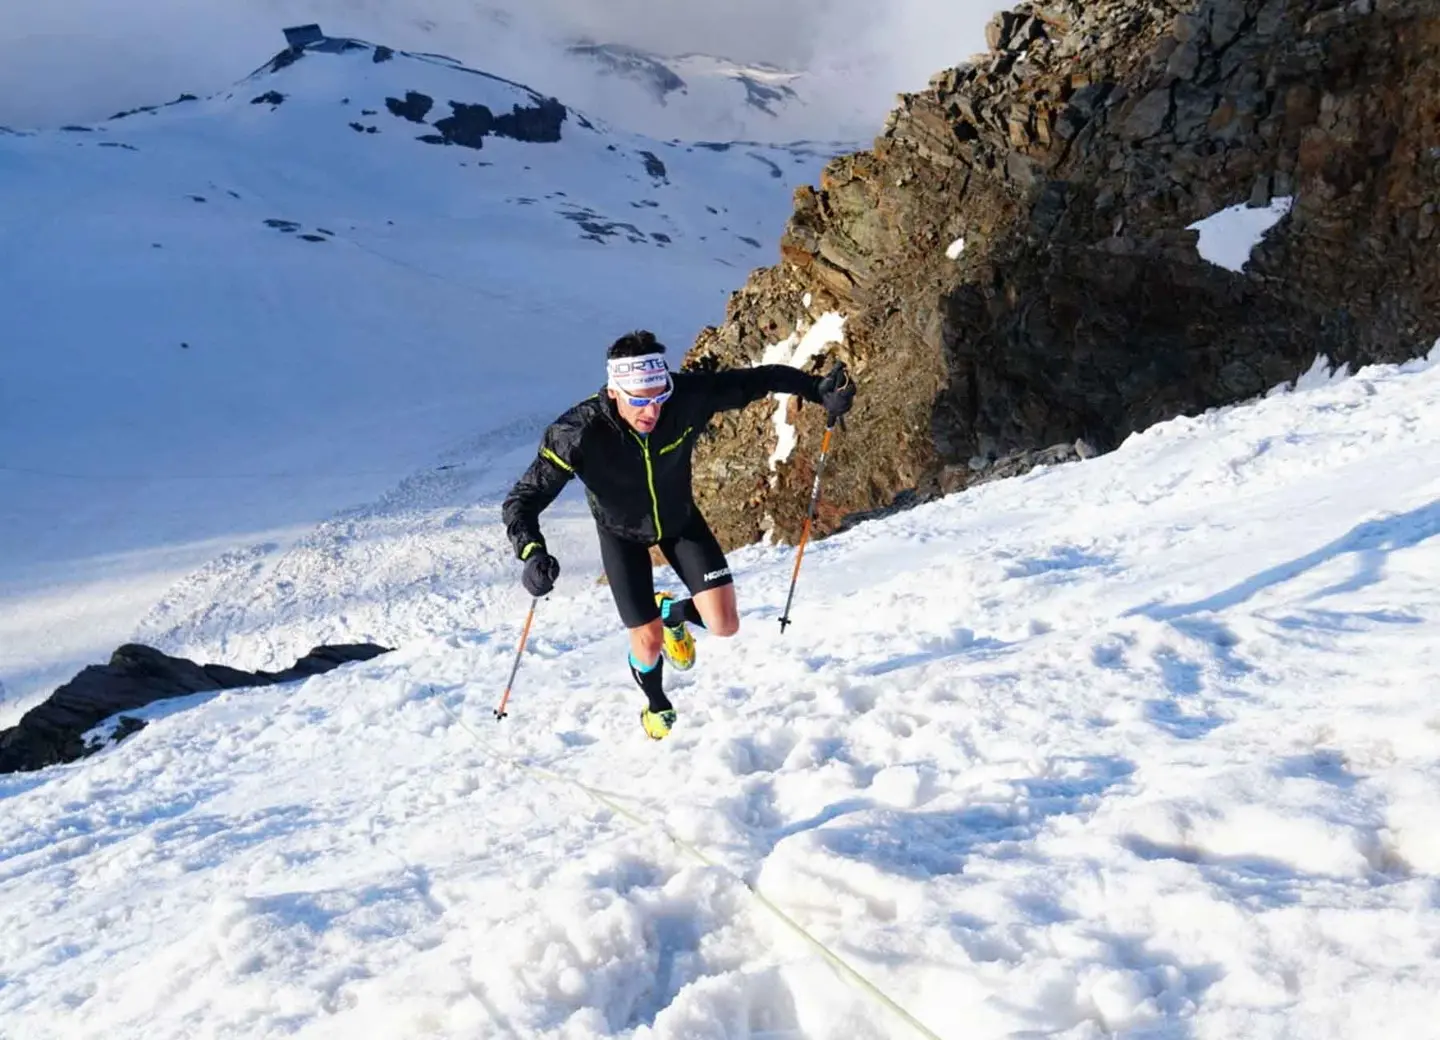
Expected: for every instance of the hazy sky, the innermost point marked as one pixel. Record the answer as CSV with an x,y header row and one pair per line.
x,y
76,60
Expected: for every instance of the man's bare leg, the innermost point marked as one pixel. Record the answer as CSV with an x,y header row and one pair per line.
x,y
645,643
719,610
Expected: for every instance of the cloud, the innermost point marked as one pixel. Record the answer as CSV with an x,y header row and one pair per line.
x,y
85,59
82,60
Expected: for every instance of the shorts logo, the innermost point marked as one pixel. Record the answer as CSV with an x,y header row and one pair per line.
x,y
723,572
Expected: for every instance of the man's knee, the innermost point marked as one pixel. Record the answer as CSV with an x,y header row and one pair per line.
x,y
723,619
646,641
724,626
718,609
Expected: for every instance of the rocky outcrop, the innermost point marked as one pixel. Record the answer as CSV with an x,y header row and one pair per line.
x,y
469,125
1012,258
53,732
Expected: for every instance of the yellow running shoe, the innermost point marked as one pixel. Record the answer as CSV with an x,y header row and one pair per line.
x,y
657,723
679,645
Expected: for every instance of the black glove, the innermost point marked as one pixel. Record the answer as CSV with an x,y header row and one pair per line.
x,y
837,393
541,570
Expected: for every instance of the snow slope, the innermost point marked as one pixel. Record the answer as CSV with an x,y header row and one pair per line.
x,y
229,319
1142,746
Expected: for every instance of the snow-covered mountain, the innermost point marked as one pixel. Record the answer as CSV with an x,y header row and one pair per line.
x,y
697,95
200,50
1144,746
687,96
228,317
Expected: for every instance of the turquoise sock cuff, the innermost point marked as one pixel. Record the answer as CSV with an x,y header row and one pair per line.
x,y
643,668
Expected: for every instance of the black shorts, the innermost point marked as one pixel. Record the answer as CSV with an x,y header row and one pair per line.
x,y
694,553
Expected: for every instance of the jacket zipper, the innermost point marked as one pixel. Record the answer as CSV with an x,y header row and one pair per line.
x,y
650,480
677,441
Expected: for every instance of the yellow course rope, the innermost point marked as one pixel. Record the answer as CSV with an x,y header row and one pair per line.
x,y
611,802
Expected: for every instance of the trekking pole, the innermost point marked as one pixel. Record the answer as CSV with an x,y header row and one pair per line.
x,y
809,519
524,635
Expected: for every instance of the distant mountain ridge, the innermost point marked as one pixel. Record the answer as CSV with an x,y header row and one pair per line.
x,y
767,88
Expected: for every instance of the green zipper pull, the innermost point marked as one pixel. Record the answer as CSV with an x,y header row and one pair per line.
x,y
650,479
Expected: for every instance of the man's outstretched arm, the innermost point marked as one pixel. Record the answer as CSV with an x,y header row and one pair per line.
x,y
734,388
537,487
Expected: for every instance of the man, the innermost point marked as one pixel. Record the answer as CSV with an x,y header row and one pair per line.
x,y
631,447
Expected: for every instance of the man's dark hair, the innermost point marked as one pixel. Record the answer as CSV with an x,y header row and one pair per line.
x,y
635,344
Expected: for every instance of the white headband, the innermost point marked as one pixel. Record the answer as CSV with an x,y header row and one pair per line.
x,y
632,374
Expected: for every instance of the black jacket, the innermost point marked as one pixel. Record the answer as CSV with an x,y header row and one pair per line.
x,y
638,486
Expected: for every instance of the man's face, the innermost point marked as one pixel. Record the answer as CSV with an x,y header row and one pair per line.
x,y
643,418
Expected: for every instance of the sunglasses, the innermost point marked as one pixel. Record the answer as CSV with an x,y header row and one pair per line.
x,y
645,402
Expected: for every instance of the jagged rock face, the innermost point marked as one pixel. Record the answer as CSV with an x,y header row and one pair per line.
x,y
1070,160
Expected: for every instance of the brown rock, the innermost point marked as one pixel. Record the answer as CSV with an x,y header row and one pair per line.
x,y
1079,307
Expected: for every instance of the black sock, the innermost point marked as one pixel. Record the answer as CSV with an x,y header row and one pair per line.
x,y
684,608
653,683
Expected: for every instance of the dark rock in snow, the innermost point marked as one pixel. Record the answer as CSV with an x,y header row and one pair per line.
x,y
51,733
415,107
155,108
469,125
270,97
382,54
654,167
289,56
538,123
598,228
